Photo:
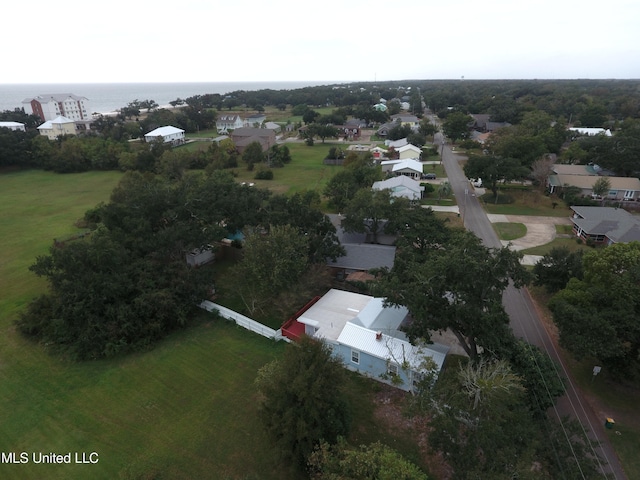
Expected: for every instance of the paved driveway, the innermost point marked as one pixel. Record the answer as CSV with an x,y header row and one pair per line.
x,y
540,231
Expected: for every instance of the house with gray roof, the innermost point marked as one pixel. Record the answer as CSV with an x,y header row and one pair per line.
x,y
605,225
361,255
620,188
401,186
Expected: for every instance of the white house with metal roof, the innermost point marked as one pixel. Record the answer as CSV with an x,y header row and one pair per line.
x,y
401,186
365,336
409,167
15,126
169,134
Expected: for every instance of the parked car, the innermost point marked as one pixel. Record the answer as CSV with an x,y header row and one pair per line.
x,y
429,176
477,182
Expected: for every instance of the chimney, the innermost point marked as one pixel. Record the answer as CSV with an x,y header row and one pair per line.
x,y
378,336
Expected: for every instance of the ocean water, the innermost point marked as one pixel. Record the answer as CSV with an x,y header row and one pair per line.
x,y
108,97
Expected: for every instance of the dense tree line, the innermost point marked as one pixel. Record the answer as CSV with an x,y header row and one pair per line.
x,y
127,284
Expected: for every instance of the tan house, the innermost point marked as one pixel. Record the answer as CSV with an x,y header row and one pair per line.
x,y
57,127
242,137
621,188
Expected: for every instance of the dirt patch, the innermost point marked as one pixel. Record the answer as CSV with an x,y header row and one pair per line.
x,y
389,404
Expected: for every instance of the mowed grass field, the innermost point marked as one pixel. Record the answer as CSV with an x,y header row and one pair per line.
x,y
185,409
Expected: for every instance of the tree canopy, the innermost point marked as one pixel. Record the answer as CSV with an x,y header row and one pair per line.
x,y
302,400
597,315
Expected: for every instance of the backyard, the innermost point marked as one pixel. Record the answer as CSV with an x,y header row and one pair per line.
x,y
184,409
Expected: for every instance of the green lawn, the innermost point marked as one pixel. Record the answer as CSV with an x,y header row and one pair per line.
x,y
569,243
185,409
525,201
305,172
509,230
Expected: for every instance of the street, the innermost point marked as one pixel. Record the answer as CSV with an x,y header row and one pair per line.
x,y
524,318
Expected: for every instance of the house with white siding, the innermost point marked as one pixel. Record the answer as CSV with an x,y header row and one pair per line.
x,y
15,126
401,186
169,134
226,123
366,336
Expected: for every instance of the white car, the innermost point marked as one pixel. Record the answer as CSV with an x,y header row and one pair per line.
x,y
476,182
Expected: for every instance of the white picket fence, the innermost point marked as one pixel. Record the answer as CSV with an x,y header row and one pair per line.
x,y
243,321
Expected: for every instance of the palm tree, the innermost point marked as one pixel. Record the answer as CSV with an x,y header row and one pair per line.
x,y
444,190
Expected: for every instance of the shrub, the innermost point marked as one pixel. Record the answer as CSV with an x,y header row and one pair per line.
x,y
264,175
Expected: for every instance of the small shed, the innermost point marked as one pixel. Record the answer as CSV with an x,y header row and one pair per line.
x,y
200,256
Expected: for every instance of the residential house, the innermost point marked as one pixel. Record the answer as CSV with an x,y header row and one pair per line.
x,y
406,119
366,336
348,132
411,168
621,188
482,123
244,136
15,126
272,126
52,105
409,151
605,225
590,131
57,127
356,122
396,143
401,186
378,152
256,120
384,129
169,134
226,123
381,107
361,255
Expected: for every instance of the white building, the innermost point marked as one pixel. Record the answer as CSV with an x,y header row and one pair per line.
x,y
57,127
16,126
51,105
169,134
401,186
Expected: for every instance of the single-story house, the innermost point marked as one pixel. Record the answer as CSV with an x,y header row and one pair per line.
x,y
406,119
482,123
621,188
383,130
15,126
409,151
273,126
401,186
225,123
378,152
169,134
242,137
57,127
361,255
381,107
255,120
562,169
365,335
411,168
396,144
591,131
605,225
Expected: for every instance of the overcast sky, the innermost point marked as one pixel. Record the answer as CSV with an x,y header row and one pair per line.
x,y
71,41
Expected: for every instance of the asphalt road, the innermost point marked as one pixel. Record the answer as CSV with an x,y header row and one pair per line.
x,y
525,321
